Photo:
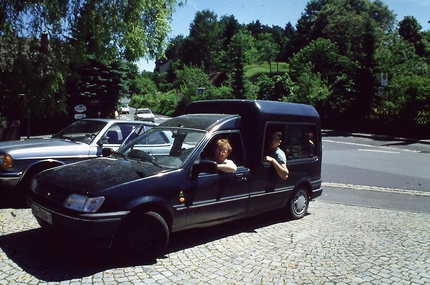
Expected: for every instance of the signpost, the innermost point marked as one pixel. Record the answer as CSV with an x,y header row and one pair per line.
x,y
80,109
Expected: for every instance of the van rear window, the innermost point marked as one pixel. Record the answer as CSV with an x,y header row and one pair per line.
x,y
298,140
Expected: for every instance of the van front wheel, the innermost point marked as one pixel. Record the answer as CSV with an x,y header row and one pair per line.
x,y
146,236
298,204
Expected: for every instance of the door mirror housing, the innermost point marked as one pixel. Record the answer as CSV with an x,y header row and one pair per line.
x,y
206,166
106,151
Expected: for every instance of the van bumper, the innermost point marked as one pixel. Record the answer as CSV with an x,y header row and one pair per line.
x,y
316,189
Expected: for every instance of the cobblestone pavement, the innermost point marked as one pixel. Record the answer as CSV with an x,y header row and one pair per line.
x,y
334,244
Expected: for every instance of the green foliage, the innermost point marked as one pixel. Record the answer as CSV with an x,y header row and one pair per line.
x,y
103,81
240,52
109,31
310,89
143,85
409,30
168,103
253,71
408,96
204,41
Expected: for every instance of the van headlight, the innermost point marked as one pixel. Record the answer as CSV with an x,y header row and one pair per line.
x,y
83,203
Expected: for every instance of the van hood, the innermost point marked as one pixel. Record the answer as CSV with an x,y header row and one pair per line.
x,y
96,174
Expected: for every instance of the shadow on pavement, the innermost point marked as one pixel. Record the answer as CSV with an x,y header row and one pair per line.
x,y
47,258
376,137
12,198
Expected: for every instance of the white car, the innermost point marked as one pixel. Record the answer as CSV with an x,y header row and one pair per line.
x,y
144,114
124,110
84,139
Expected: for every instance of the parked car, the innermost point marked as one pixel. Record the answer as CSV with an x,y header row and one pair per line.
x,y
161,182
84,139
124,109
144,114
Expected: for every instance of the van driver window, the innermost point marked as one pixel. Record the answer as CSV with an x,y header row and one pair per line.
x,y
234,142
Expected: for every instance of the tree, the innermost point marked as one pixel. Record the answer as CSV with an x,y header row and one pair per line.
x,y
306,23
409,30
241,51
287,47
51,34
204,42
267,48
230,26
330,74
100,84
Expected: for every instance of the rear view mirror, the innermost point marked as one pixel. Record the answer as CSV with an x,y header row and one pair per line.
x,y
106,151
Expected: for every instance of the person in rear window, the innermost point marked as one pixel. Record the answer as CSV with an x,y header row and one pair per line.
x,y
276,156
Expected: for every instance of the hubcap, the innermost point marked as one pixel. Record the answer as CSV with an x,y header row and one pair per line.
x,y
300,202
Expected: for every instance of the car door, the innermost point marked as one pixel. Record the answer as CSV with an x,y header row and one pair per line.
x,y
219,196
115,135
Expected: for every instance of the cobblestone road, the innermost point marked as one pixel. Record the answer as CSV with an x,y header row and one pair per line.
x,y
334,244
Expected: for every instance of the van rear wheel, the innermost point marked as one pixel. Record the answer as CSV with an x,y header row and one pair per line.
x,y
297,206
144,236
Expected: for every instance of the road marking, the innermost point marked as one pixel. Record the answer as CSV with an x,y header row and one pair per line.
x,y
376,188
372,146
377,150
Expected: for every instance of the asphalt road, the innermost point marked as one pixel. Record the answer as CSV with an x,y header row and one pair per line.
x,y
384,172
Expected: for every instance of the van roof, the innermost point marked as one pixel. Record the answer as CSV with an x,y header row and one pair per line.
x,y
204,121
251,108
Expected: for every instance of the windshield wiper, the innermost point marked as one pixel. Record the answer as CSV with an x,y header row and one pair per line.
x,y
149,159
67,138
120,154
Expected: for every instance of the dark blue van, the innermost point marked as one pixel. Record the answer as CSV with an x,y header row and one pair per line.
x,y
163,182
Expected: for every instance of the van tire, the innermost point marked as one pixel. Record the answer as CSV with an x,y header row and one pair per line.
x,y
297,205
144,237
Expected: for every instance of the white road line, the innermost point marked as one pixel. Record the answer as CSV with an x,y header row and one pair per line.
x,y
377,150
376,188
372,146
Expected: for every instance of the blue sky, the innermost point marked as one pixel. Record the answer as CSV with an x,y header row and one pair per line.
x,y
275,12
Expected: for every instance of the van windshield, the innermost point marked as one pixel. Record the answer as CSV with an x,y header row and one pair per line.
x,y
165,147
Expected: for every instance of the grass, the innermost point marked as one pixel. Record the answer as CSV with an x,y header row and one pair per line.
x,y
254,70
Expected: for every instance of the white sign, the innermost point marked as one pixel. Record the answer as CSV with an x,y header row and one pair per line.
x,y
80,108
80,116
384,79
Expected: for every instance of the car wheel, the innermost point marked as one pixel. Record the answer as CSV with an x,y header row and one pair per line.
x,y
145,236
298,204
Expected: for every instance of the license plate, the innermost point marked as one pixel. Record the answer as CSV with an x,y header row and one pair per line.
x,y
42,214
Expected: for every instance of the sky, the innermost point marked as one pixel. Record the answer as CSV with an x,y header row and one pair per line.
x,y
274,13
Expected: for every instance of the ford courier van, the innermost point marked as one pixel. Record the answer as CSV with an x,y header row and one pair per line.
x,y
162,182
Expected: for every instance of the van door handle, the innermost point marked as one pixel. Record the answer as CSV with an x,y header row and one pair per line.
x,y
240,177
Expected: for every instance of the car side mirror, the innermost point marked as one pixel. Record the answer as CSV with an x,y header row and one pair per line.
x,y
106,151
206,166
103,140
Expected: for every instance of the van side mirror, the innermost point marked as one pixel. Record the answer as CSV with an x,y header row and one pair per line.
x,y
206,166
106,151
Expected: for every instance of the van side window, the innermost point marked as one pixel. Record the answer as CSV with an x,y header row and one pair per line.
x,y
300,141
236,143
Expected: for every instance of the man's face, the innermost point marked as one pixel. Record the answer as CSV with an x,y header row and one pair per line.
x,y
274,142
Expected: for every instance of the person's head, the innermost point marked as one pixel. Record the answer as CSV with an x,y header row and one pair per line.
x,y
222,150
275,140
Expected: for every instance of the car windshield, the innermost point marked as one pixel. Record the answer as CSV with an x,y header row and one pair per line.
x,y
144,111
81,131
164,147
